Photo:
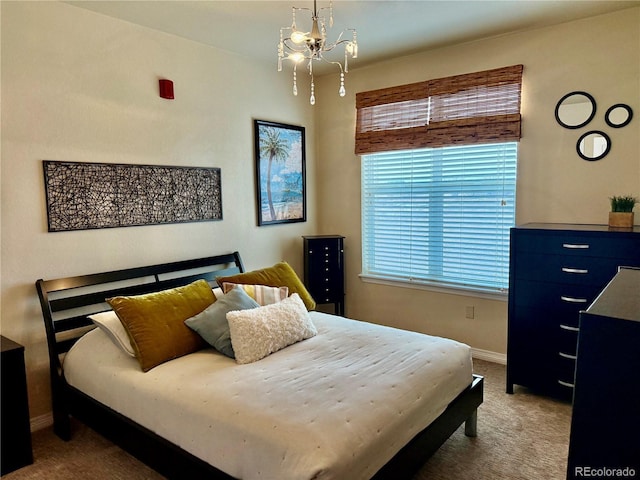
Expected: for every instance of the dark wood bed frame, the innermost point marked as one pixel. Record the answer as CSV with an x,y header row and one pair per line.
x,y
66,304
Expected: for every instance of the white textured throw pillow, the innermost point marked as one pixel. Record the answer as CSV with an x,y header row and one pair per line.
x,y
261,331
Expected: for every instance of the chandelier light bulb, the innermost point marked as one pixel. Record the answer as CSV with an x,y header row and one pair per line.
x,y
296,57
298,37
313,46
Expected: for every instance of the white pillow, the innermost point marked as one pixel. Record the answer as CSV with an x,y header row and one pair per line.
x,y
263,294
110,324
261,331
217,292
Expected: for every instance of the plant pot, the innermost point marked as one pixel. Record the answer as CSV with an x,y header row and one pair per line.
x,y
621,219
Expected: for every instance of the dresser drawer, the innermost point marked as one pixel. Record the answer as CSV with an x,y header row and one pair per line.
x,y
545,331
324,282
571,269
324,248
610,245
561,298
326,295
567,337
323,262
565,369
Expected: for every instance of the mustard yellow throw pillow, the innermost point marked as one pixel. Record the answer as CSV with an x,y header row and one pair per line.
x,y
155,322
279,275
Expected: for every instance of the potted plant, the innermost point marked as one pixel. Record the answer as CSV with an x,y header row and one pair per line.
x,y
621,214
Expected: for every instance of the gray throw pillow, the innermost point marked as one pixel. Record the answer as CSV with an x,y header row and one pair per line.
x,y
211,324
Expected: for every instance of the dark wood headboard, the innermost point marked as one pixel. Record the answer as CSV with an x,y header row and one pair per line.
x,y
67,302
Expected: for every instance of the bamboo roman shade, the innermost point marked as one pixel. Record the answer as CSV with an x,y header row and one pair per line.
x,y
481,107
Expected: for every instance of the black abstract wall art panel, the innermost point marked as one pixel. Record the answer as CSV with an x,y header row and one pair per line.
x,y
84,196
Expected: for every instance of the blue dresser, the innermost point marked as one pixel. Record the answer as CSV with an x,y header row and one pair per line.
x,y
557,270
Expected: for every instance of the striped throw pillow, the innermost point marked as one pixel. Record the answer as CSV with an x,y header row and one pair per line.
x,y
262,294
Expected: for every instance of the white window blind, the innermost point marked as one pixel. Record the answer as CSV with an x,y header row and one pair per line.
x,y
440,215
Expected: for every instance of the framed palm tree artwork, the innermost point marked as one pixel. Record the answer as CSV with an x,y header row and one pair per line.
x,y
280,173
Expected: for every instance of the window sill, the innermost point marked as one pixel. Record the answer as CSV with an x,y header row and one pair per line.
x,y
467,291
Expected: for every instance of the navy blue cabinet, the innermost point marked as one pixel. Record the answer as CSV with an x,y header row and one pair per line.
x,y
324,269
556,271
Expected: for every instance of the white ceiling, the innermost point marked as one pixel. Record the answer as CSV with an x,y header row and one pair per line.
x,y
385,28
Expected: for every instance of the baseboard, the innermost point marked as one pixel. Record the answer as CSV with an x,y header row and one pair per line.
x,y
489,356
41,421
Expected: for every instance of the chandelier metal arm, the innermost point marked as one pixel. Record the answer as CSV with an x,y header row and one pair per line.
x,y
302,46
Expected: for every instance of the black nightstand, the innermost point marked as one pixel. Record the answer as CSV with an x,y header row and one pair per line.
x,y
324,269
605,417
15,441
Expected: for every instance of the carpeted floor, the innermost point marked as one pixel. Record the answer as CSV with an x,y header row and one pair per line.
x,y
520,437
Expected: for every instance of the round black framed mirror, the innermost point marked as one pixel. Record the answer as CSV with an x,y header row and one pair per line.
x,y
593,145
618,115
575,109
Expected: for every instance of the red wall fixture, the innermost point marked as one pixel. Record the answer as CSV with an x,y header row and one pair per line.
x,y
166,88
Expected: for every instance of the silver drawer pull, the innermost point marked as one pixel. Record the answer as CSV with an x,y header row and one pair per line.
x,y
565,384
574,270
575,245
573,300
566,355
571,329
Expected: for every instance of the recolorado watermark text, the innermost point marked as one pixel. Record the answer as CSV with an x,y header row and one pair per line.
x,y
604,472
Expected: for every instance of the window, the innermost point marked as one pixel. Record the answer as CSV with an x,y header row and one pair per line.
x,y
440,215
438,179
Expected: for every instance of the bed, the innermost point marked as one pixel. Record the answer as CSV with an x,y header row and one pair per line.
x,y
354,400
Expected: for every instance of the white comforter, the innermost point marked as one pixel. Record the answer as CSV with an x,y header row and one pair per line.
x,y
336,406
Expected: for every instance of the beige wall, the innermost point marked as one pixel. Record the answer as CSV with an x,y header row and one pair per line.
x,y
600,55
83,87
80,86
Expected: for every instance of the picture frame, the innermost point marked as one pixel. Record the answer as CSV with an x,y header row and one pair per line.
x,y
280,162
87,196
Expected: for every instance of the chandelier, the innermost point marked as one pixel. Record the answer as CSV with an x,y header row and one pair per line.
x,y
311,46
